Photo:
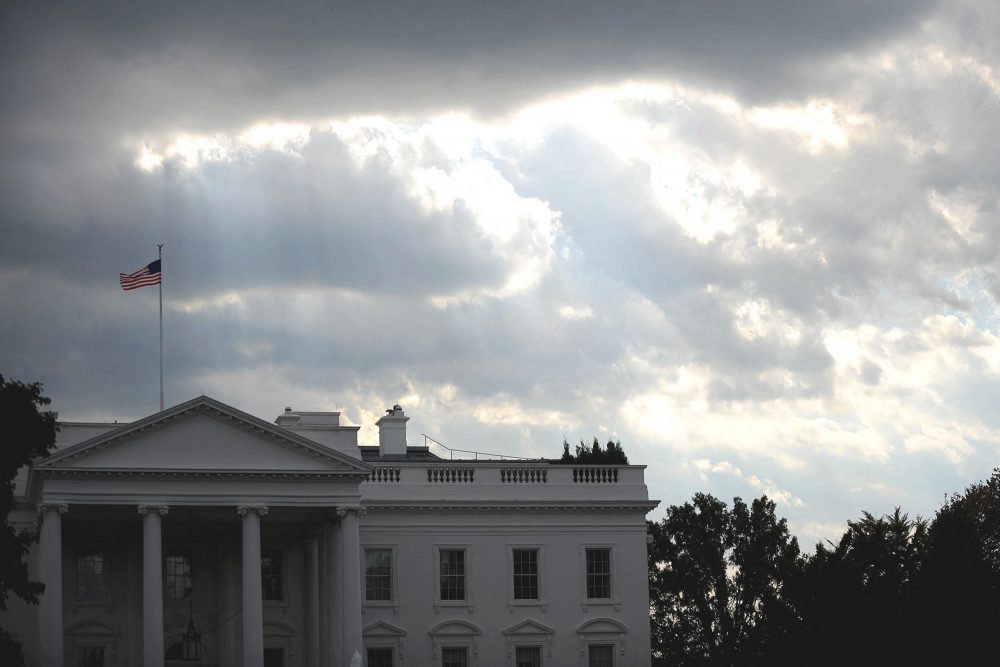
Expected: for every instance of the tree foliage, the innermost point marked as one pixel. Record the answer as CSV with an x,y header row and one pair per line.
x,y
728,587
717,581
957,592
27,434
611,454
858,588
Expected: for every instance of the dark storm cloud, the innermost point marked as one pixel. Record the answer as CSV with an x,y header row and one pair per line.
x,y
209,65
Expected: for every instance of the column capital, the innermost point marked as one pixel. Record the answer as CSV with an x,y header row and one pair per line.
x,y
162,510
62,508
343,511
260,510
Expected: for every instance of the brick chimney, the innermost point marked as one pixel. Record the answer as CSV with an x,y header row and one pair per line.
x,y
392,433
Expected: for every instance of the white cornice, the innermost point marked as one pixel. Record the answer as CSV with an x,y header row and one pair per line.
x,y
161,473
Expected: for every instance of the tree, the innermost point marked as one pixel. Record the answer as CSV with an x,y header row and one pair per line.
x,y
717,579
612,454
854,597
27,434
957,592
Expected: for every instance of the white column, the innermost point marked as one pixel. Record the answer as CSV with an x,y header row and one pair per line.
x,y
312,600
324,594
334,628
50,614
152,585
350,582
253,594
228,602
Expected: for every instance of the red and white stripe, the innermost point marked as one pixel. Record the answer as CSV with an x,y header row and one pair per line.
x,y
141,278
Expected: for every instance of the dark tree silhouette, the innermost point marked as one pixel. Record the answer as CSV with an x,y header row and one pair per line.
x,y
612,454
900,591
727,587
957,593
717,582
854,596
27,434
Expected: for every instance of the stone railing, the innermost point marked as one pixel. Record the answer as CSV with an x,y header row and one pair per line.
x,y
523,475
509,473
451,474
527,482
595,474
384,474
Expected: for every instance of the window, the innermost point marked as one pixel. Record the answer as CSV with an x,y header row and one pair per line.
x,y
383,644
91,585
598,574
274,657
452,574
525,566
600,655
272,575
454,656
528,656
179,580
378,575
455,642
380,656
90,656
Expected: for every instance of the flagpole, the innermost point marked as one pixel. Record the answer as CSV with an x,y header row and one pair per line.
x,y
159,248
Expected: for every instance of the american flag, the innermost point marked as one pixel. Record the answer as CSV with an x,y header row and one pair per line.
x,y
147,275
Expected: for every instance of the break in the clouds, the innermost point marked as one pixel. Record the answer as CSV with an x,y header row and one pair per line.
x,y
757,242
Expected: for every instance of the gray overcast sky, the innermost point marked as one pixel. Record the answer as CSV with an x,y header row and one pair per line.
x,y
756,241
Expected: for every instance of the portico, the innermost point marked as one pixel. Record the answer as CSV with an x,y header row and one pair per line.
x,y
207,490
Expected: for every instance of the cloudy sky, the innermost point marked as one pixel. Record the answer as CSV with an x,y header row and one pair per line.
x,y
757,242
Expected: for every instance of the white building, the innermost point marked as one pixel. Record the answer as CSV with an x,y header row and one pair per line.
x,y
202,535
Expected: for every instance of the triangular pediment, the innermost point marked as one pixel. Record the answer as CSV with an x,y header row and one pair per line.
x,y
528,627
382,629
202,435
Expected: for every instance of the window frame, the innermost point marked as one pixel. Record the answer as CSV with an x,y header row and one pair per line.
x,y
103,648
167,598
454,646
282,650
529,645
382,647
384,635
105,595
595,644
282,575
455,634
528,633
512,601
393,600
467,601
613,600
90,633
600,632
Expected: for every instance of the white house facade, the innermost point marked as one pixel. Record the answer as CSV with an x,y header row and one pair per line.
x,y
202,535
